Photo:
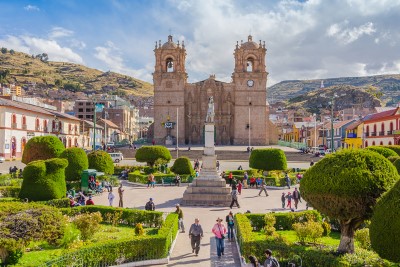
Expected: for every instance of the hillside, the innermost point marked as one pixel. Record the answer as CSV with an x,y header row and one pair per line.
x,y
39,73
388,85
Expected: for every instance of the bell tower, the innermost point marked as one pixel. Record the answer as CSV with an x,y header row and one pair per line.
x,y
250,82
169,79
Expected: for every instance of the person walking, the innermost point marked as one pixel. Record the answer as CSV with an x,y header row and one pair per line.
x,y
151,181
270,260
121,195
219,231
180,218
234,195
230,223
289,200
110,197
239,187
283,199
150,205
230,178
195,235
296,197
263,187
287,179
217,165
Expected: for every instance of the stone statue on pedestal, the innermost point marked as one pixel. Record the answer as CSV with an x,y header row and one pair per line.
x,y
210,111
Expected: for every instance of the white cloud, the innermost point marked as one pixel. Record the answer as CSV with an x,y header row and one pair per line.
x,y
31,8
58,32
349,35
34,45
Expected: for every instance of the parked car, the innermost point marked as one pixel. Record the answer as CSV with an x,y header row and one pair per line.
x,y
110,144
2,159
116,157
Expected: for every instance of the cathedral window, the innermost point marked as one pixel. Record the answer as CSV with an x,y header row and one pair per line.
x,y
250,64
170,65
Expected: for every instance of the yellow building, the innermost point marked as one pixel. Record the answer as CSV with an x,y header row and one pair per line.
x,y
15,90
354,135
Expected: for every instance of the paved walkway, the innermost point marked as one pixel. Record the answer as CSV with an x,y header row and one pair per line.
x,y
167,197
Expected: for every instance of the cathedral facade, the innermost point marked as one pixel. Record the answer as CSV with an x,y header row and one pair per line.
x,y
180,108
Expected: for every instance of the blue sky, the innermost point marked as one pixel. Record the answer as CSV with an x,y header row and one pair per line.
x,y
305,39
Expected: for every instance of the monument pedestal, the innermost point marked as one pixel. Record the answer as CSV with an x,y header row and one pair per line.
x,y
208,189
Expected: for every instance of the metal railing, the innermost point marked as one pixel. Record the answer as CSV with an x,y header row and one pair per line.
x,y
292,144
381,133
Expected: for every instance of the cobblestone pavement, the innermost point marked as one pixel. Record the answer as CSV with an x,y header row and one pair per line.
x,y
166,197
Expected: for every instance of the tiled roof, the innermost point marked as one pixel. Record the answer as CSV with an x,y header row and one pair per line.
x,y
109,123
20,105
353,125
63,115
91,124
380,115
340,124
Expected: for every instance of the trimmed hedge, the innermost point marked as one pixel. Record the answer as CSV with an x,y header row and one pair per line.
x,y
151,154
250,172
386,152
268,159
9,191
385,225
42,148
182,165
397,165
134,248
101,161
395,148
128,217
44,180
138,177
77,163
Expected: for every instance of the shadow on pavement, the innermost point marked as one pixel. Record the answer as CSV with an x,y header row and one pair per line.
x,y
230,257
168,204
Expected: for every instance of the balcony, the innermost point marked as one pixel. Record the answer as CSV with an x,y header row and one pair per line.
x,y
45,129
389,132
381,133
373,133
351,135
24,127
14,125
367,134
37,128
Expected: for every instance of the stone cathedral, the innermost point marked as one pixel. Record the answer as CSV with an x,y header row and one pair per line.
x,y
241,111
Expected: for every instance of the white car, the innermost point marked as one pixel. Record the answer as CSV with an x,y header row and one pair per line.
x,y
116,157
2,159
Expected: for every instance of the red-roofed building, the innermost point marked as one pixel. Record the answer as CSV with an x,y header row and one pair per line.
x,y
382,128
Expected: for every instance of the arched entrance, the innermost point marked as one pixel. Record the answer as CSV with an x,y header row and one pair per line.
x,y
13,147
69,142
64,140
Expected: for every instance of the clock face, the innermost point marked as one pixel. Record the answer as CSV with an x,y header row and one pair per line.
x,y
250,83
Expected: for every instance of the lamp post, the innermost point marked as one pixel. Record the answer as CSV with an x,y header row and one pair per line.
x,y
315,129
332,103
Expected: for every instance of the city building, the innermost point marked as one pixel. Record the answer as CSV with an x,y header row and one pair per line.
x,y
354,135
89,133
339,133
382,128
241,112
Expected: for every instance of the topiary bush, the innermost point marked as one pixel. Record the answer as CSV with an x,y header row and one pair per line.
x,y
385,225
397,165
182,165
327,228
268,159
308,231
386,152
101,161
77,163
88,224
346,186
362,237
42,148
139,231
395,148
44,180
152,154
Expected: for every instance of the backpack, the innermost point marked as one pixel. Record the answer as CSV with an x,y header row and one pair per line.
x,y
148,206
275,262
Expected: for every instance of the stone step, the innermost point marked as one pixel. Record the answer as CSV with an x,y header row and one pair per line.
x,y
208,183
206,199
208,190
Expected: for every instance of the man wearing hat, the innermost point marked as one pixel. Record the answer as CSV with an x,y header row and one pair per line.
x,y
150,205
219,231
89,201
180,218
195,235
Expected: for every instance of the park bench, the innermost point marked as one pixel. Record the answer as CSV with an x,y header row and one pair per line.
x,y
167,180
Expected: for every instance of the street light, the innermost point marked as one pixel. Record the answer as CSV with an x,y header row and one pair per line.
x,y
332,103
315,129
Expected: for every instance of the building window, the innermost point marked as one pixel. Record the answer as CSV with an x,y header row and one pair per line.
x,y
381,143
80,116
366,143
80,110
169,65
88,116
80,104
250,64
373,143
390,143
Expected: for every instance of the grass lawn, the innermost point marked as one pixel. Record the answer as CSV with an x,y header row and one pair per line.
x,y
332,240
106,232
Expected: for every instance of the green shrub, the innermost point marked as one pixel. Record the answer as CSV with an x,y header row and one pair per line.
x,y
385,225
397,165
101,161
362,237
250,172
42,148
71,235
346,185
10,251
10,191
44,180
88,224
77,163
395,148
58,203
393,158
327,228
114,218
269,220
128,217
308,231
139,231
152,154
268,159
182,165
386,152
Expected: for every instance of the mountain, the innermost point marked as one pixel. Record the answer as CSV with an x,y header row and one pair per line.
x,y
37,72
388,87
